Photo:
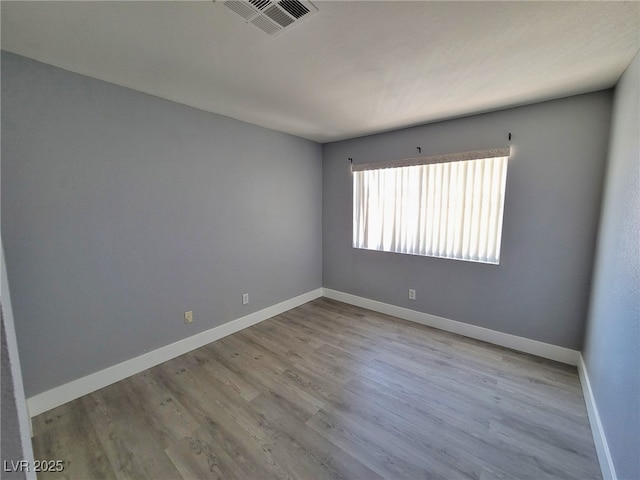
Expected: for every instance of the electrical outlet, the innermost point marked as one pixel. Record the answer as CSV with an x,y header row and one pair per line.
x,y
188,317
245,298
412,294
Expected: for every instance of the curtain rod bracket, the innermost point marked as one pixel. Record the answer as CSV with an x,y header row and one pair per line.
x,y
419,149
350,160
509,136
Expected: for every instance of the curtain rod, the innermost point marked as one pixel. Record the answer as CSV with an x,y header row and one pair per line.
x,y
445,158
420,151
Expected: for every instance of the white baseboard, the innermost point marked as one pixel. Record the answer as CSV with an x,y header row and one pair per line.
x,y
62,394
599,438
57,396
534,347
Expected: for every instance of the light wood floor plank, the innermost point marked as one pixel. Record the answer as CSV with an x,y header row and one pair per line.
x,y
330,391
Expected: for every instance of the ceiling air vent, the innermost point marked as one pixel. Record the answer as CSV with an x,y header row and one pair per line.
x,y
272,16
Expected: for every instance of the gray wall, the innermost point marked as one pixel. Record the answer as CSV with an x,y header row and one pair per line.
x,y
612,343
121,210
540,289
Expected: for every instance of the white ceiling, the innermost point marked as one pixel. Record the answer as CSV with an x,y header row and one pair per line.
x,y
354,68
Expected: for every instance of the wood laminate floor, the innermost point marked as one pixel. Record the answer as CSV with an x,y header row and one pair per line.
x,y
330,391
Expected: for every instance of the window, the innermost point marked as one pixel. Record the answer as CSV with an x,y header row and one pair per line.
x,y
449,206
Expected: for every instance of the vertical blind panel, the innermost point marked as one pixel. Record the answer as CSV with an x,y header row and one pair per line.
x,y
449,210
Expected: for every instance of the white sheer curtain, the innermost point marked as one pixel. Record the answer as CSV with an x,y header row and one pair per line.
x,y
452,209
